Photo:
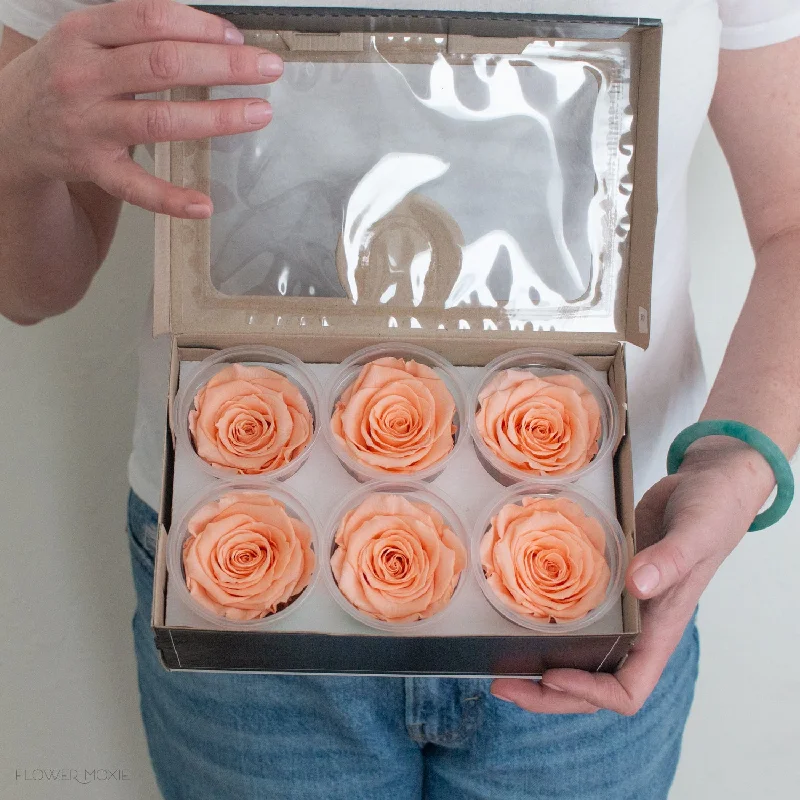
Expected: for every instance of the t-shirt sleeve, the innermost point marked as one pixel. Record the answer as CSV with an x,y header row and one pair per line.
x,y
34,18
757,23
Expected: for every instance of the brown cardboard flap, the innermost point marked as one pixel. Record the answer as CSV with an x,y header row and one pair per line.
x,y
421,21
163,252
324,42
189,302
644,202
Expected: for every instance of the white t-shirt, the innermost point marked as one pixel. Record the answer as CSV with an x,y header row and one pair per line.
x,y
666,384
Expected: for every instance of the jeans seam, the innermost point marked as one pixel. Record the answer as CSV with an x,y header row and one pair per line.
x,y
415,730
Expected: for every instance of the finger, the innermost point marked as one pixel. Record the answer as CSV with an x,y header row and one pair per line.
x,y
532,696
596,689
137,21
626,691
133,184
142,121
162,65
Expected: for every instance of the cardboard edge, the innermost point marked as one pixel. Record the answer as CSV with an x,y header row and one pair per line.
x,y
158,611
460,348
617,654
644,200
186,649
626,509
617,377
173,386
189,240
163,245
325,20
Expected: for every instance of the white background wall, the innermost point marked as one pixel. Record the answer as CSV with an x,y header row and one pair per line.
x,y
68,695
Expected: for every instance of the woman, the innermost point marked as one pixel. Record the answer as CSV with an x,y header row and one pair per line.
x,y
67,120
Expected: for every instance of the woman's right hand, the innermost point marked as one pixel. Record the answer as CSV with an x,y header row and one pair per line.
x,y
68,107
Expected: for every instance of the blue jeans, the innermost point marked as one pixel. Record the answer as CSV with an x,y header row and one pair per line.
x,y
260,737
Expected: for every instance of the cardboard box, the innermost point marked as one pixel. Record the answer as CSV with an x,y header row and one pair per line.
x,y
327,329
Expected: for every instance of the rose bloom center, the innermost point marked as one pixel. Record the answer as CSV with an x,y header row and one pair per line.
x,y
549,566
400,421
248,428
395,563
393,559
539,430
245,558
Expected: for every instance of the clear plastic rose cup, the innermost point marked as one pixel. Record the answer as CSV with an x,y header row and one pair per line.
x,y
555,551
263,432
542,415
400,418
239,566
396,546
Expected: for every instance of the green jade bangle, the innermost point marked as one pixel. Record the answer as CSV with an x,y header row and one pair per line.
x,y
758,441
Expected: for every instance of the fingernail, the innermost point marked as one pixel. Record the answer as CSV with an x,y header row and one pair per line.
x,y
270,66
646,578
552,686
198,211
233,35
502,697
258,113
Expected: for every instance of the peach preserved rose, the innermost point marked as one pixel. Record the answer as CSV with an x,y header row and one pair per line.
x,y
245,557
396,559
545,558
250,420
397,416
540,425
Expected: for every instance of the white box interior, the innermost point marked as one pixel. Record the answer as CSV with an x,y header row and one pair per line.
x,y
322,481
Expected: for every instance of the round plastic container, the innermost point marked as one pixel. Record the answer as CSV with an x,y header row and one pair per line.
x,y
616,555
546,363
347,374
411,490
249,355
295,507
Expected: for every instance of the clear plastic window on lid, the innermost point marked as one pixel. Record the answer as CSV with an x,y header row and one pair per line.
x,y
425,185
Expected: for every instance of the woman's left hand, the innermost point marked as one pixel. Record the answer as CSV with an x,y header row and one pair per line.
x,y
692,521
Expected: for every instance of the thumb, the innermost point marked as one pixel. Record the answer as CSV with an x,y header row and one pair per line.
x,y
663,565
677,537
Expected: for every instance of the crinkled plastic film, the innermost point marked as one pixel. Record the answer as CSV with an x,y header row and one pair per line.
x,y
421,182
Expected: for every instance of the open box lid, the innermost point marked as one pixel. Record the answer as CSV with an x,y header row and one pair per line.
x,y
426,174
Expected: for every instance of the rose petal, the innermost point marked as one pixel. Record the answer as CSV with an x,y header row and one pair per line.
x,y
545,558
396,559
396,416
249,420
545,426
245,556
